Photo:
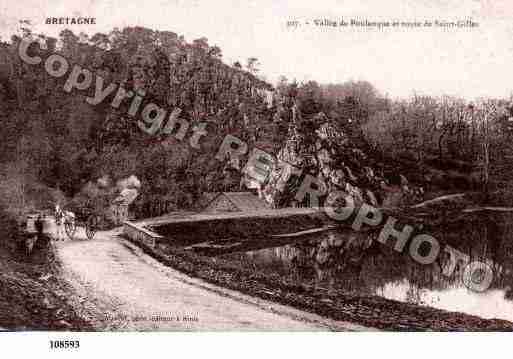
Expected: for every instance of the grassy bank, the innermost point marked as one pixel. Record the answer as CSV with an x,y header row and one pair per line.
x,y
32,294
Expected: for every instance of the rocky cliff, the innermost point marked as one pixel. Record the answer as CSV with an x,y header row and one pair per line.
x,y
320,147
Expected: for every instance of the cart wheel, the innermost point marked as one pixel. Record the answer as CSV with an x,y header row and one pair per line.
x,y
70,228
91,226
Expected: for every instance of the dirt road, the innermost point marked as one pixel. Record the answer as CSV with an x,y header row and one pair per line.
x,y
136,292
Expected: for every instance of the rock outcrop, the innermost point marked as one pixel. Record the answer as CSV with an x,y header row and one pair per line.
x,y
320,147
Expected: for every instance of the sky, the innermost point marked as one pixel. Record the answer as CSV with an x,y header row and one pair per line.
x,y
465,62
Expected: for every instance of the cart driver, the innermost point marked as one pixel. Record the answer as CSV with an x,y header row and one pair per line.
x,y
59,223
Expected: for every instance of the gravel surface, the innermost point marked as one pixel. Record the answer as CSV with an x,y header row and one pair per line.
x,y
137,292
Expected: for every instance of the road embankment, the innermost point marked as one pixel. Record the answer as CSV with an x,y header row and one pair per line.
x,y
369,311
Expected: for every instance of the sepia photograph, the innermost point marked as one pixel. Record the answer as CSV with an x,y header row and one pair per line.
x,y
255,166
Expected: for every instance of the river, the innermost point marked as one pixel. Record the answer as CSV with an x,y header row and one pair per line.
x,y
356,263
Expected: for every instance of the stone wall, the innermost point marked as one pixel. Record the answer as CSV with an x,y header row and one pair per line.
x,y
140,234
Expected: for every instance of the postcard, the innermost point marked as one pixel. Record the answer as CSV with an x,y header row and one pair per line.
x,y
262,166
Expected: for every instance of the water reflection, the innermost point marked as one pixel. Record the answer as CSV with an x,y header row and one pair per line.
x,y
489,305
357,263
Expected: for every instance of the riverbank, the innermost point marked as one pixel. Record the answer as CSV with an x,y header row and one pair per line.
x,y
370,311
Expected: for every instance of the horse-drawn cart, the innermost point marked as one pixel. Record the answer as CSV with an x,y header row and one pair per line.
x,y
86,216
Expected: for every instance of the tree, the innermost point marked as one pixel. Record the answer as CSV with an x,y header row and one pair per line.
x,y
25,27
201,44
252,65
310,98
101,40
215,51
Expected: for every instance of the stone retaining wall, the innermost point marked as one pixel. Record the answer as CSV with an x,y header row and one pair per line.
x,y
140,234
